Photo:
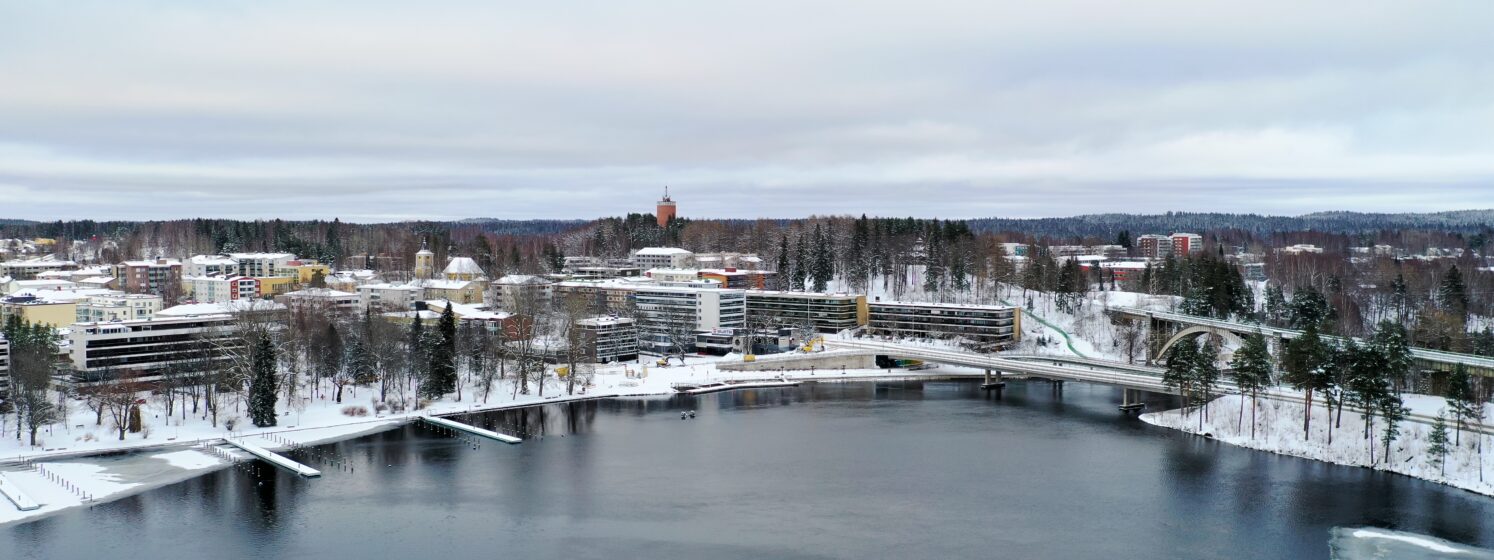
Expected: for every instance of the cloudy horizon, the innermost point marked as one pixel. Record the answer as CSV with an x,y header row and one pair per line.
x,y
451,110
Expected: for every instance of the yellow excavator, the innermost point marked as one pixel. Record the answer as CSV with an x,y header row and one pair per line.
x,y
810,344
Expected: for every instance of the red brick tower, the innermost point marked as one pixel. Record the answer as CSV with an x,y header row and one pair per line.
x,y
665,210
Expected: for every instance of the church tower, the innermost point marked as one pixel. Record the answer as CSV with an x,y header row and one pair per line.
x,y
665,209
425,262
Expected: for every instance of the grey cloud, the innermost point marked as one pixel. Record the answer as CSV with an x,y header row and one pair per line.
x,y
955,109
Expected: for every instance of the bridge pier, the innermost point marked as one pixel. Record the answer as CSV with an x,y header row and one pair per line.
x,y
1131,401
1057,386
993,383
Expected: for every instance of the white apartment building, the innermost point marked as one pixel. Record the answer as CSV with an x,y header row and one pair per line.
x,y
210,265
665,313
321,299
663,257
118,307
264,264
391,297
214,289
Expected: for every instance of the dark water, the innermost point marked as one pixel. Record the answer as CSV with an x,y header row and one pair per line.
x,y
936,470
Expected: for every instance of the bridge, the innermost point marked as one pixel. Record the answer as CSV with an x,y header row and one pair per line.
x,y
1129,377
1193,326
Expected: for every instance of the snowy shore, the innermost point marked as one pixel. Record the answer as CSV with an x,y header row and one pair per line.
x,y
1279,430
86,468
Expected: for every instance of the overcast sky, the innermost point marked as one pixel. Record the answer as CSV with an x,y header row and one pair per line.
x,y
411,110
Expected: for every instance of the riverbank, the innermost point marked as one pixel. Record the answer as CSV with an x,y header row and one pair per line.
x,y
1279,429
83,472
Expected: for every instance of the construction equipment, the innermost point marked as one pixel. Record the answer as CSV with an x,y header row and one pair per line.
x,y
809,344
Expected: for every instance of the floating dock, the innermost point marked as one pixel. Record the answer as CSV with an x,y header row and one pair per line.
x,y
274,458
704,388
474,430
16,495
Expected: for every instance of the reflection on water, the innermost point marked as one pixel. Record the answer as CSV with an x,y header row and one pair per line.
x,y
829,470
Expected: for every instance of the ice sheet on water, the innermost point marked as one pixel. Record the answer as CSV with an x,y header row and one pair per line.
x,y
1365,543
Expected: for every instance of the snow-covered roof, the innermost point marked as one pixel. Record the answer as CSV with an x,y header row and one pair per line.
x,y
212,260
97,281
462,265
424,315
243,256
662,251
219,308
63,296
155,262
45,260
319,293
445,284
604,321
519,279
469,311
388,286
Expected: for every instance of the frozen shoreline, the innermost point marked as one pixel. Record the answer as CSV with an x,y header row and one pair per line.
x,y
1279,430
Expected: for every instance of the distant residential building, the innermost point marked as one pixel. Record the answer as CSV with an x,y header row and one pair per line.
x,y
988,324
208,265
27,269
78,275
1153,246
321,300
1121,271
306,270
605,271
262,265
37,310
744,261
509,291
212,289
1186,244
390,297
662,257
739,279
117,307
1300,249
821,312
609,339
157,276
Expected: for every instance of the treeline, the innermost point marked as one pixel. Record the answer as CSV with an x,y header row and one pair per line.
x,y
1107,225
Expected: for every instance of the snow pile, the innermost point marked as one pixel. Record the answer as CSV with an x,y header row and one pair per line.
x,y
1279,429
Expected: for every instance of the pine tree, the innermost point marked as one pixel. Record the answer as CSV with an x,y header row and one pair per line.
x,y
441,374
858,258
1179,372
1305,363
1309,309
801,262
1390,341
1452,294
262,382
1250,369
1204,375
1465,404
822,268
933,261
1394,411
785,267
1437,443
1276,305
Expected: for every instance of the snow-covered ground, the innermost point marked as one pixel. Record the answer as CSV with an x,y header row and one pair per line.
x,y
1279,430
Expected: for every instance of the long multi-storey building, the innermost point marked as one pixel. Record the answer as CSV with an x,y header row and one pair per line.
x,y
1154,246
145,348
827,313
118,307
27,269
668,316
663,257
321,300
986,324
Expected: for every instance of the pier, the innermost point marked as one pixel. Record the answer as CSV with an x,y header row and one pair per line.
x,y
274,458
474,430
17,496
